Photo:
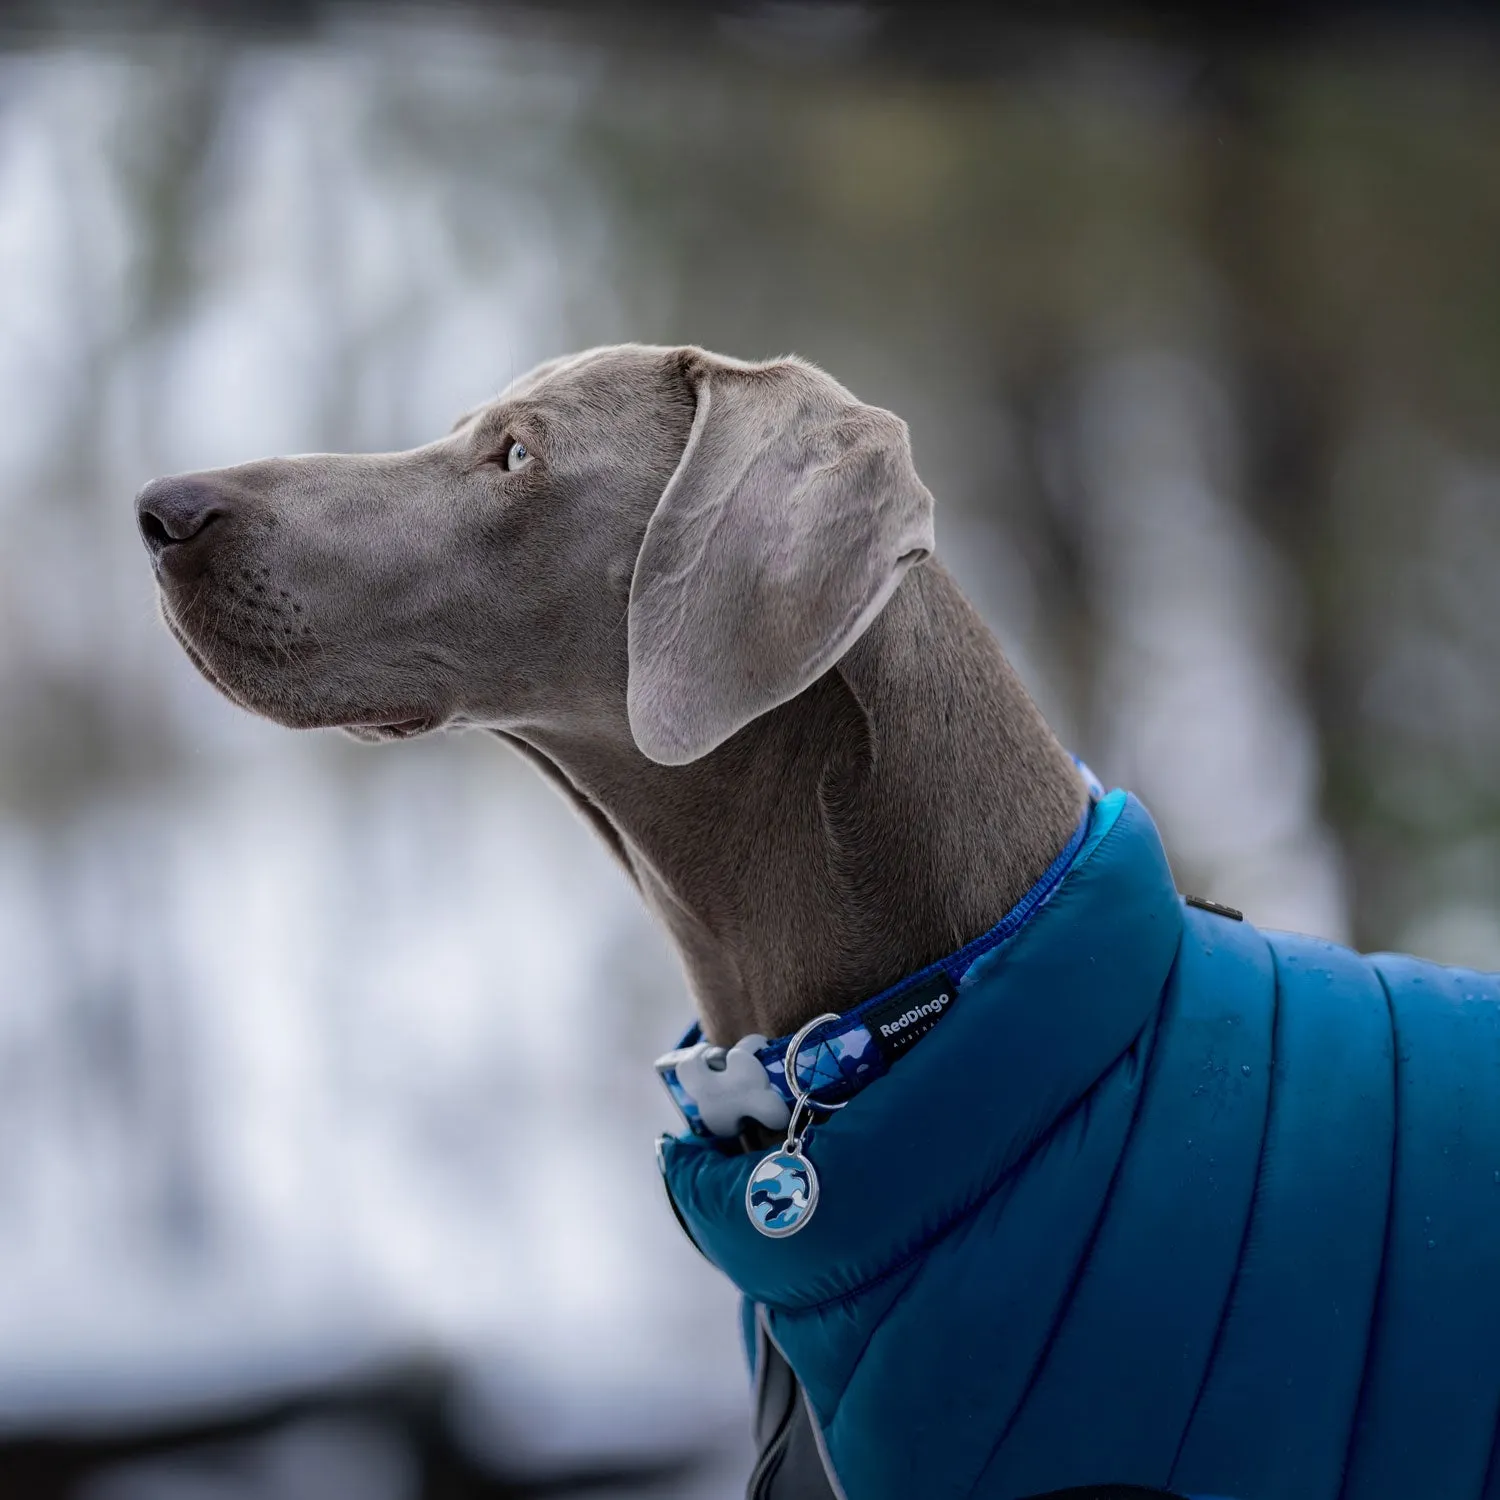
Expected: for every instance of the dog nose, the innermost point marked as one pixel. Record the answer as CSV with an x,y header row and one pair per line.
x,y
173,511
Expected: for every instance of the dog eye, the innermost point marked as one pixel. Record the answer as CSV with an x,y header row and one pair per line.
x,y
516,457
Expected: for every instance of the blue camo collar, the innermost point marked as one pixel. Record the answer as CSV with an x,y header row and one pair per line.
x,y
716,1089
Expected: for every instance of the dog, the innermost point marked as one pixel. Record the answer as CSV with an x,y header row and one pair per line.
x,y
1079,1183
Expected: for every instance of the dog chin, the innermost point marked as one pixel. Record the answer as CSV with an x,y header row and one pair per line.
x,y
242,688
212,673
248,691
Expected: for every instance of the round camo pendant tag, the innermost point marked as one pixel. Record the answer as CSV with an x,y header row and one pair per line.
x,y
781,1194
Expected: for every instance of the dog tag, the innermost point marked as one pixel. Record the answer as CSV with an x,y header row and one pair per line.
x,y
783,1189
782,1192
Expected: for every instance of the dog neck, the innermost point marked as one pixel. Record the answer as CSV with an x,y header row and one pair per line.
x,y
884,817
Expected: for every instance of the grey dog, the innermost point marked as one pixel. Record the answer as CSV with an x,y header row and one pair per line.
x,y
698,594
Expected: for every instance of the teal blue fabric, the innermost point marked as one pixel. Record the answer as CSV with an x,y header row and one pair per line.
x,y
1164,1200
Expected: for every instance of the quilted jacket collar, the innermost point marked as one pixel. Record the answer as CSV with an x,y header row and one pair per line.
x,y
1037,1022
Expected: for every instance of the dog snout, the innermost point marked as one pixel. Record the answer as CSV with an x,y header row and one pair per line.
x,y
176,511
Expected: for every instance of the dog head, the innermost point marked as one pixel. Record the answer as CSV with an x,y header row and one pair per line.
x,y
662,540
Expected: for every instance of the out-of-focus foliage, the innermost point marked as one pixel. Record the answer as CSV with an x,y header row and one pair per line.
x,y
1097,269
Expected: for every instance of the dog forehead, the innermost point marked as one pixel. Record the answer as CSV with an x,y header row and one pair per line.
x,y
611,367
612,381
597,390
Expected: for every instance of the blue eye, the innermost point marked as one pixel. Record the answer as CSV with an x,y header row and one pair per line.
x,y
516,457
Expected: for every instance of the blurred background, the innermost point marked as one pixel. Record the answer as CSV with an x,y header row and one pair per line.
x,y
326,1108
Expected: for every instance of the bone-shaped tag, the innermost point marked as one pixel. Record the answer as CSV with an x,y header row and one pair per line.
x,y
730,1085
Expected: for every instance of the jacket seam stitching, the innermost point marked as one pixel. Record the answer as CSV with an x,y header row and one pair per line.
x,y
1081,1268
869,1339
1378,1302
1255,1198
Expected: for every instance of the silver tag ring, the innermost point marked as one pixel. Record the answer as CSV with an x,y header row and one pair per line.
x,y
800,1095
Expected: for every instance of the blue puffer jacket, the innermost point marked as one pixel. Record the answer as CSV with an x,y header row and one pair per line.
x,y
1164,1200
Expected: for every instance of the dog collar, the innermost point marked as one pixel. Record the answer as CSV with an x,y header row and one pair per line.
x,y
716,1089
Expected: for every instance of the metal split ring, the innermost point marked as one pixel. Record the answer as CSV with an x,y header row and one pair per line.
x,y
800,1095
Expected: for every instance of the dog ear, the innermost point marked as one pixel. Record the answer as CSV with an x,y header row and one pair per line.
x,y
790,519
